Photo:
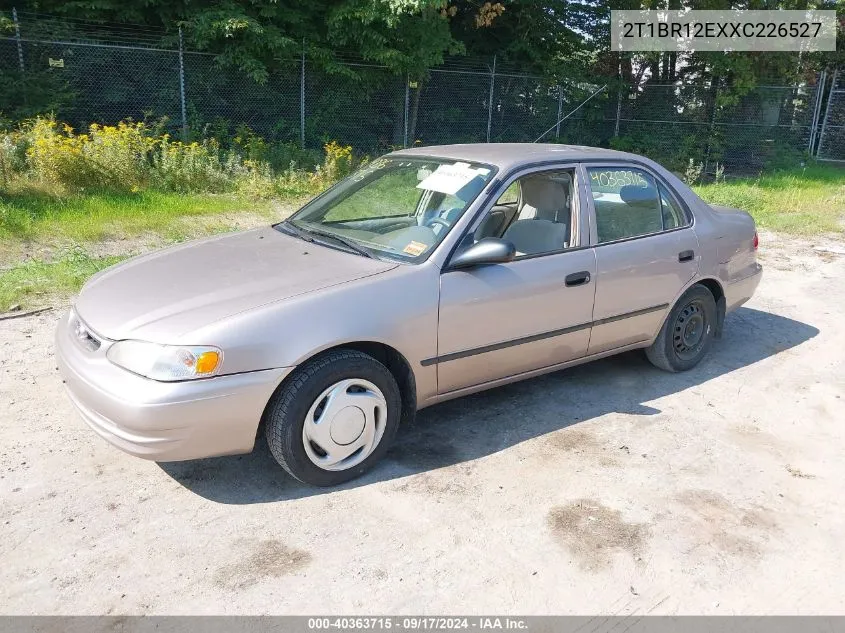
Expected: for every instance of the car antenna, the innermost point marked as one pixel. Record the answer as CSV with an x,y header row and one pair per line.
x,y
571,113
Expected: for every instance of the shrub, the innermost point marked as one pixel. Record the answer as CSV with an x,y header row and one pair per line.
x,y
12,157
108,157
249,145
338,162
258,180
132,156
190,167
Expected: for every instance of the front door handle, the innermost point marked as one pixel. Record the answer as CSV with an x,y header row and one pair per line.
x,y
686,256
578,279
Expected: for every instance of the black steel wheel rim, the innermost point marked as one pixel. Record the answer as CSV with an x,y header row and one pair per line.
x,y
689,331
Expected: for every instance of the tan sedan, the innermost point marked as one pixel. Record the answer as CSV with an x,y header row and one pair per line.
x,y
429,274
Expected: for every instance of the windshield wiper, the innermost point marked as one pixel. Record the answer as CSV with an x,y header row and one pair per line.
x,y
291,229
306,234
342,240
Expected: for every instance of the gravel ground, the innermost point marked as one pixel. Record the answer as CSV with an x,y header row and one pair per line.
x,y
607,488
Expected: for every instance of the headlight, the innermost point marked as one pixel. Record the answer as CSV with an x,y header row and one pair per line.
x,y
166,362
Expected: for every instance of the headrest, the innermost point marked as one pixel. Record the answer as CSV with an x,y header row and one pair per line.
x,y
638,196
543,192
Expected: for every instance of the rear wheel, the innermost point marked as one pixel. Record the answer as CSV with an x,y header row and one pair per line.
x,y
687,334
334,418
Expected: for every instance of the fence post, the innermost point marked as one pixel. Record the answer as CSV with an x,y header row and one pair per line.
x,y
712,127
618,112
182,89
302,99
817,104
18,37
559,109
618,102
490,103
407,101
827,111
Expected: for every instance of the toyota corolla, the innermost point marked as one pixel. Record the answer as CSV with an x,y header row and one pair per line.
x,y
428,274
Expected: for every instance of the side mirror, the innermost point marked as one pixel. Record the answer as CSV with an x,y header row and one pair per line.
x,y
490,250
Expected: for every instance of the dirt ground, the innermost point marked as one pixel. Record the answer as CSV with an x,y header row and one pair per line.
x,y
609,488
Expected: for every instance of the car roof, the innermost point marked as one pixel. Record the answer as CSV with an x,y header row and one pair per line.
x,y
508,155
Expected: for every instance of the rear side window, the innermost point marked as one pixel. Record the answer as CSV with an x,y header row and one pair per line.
x,y
628,203
673,215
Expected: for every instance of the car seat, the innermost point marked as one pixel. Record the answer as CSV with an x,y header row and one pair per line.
x,y
542,223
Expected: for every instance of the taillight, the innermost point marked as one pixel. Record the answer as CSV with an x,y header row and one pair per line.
x,y
756,242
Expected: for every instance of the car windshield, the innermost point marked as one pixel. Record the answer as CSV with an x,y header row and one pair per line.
x,y
399,208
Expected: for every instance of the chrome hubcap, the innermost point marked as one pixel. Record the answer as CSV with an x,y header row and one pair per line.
x,y
344,424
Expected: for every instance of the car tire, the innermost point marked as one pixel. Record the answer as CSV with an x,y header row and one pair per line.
x,y
323,388
687,333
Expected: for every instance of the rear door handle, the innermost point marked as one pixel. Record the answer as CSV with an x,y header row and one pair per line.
x,y
686,256
578,279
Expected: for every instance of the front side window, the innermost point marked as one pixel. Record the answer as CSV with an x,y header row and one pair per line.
x,y
399,208
534,213
626,201
510,195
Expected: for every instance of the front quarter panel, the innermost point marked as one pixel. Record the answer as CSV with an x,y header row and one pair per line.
x,y
397,308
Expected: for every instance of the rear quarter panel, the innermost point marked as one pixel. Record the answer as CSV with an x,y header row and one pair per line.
x,y
729,240
726,243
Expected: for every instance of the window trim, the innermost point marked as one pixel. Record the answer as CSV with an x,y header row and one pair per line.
x,y
690,216
507,181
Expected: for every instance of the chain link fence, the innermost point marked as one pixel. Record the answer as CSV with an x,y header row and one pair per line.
x,y
832,134
680,123
218,101
87,78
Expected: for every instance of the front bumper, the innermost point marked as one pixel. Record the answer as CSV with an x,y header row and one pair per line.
x,y
159,420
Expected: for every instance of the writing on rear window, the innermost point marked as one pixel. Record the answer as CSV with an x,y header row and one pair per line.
x,y
614,179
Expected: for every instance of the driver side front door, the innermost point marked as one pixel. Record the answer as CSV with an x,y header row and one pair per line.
x,y
502,320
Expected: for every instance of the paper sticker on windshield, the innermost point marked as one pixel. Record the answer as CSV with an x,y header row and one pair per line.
x,y
449,179
415,248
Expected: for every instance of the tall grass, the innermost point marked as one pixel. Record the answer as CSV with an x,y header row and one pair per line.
x,y
33,215
123,180
807,201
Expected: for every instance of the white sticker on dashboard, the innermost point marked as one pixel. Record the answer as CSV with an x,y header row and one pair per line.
x,y
449,179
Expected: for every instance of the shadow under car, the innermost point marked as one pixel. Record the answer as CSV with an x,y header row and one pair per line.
x,y
493,420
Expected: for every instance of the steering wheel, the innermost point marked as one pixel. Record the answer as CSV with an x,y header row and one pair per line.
x,y
439,221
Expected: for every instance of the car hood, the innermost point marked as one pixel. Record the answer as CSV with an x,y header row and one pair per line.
x,y
166,294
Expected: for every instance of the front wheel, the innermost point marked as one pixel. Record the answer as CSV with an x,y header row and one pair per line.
x,y
334,418
687,334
